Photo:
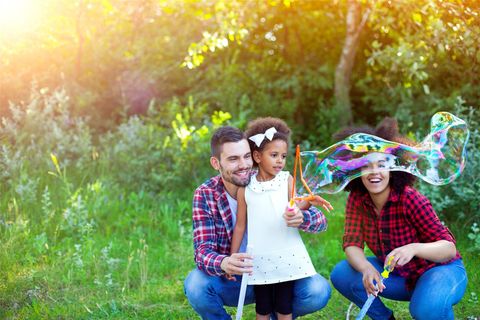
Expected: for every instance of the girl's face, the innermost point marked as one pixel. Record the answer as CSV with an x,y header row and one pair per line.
x,y
271,160
377,180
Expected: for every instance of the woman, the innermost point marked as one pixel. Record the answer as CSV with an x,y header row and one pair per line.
x,y
395,220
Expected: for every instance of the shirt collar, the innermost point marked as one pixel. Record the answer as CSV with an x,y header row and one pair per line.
x,y
219,187
394,196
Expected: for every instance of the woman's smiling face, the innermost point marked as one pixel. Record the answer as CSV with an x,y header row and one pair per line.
x,y
376,177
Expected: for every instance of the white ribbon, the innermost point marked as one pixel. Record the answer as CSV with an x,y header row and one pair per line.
x,y
258,138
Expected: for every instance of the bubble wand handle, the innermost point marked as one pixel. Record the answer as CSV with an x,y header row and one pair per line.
x,y
384,275
243,290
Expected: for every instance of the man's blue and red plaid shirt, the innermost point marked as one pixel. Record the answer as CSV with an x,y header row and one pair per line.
x,y
407,217
213,225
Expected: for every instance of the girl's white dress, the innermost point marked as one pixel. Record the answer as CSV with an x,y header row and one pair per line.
x,y
278,251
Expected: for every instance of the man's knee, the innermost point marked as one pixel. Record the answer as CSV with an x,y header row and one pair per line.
x,y
311,295
322,291
195,285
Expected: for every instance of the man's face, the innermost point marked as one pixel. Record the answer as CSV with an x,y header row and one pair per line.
x,y
235,163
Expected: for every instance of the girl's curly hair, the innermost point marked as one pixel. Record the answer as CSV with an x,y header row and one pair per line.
x,y
388,130
260,125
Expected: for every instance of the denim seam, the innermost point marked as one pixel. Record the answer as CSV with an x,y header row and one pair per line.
x,y
450,294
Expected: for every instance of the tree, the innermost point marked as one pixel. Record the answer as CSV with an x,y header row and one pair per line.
x,y
345,65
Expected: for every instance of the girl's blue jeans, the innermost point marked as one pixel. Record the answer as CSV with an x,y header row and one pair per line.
x,y
209,294
433,297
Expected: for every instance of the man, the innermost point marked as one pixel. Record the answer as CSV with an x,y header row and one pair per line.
x,y
214,215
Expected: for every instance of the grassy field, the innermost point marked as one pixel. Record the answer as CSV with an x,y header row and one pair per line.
x,y
103,254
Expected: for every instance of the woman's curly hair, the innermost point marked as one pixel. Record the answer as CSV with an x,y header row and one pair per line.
x,y
388,130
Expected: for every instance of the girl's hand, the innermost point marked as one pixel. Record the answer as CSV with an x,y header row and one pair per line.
x,y
402,255
370,274
293,216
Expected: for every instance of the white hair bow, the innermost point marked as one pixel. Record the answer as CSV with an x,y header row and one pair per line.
x,y
258,138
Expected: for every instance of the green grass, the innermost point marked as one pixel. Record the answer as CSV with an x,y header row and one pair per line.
x,y
111,255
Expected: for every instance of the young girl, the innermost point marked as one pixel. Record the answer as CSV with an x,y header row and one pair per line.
x,y
280,257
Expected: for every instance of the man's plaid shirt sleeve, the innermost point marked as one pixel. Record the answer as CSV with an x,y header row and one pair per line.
x,y
205,239
314,220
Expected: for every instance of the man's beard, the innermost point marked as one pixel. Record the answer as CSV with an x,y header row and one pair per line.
x,y
229,177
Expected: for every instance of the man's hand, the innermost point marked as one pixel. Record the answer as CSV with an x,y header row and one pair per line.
x,y
320,202
314,200
237,263
369,275
293,216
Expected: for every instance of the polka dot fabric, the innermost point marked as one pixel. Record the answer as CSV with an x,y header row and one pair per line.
x,y
278,250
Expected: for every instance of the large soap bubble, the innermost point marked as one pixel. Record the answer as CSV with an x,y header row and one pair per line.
x,y
438,159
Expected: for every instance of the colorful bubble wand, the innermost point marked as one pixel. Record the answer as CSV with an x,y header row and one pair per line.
x,y
298,163
384,275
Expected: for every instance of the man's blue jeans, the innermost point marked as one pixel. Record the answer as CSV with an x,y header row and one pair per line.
x,y
208,294
433,297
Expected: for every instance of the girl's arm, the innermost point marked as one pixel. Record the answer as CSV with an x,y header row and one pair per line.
x,y
241,223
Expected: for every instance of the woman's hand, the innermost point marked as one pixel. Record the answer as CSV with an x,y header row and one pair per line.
x,y
402,255
370,274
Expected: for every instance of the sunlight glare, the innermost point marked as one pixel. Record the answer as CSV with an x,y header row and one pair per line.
x,y
16,16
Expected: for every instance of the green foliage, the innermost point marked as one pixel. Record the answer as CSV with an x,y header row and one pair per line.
x,y
474,235
418,58
145,154
41,127
95,202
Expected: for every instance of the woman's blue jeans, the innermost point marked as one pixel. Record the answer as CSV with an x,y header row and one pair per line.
x,y
433,297
209,294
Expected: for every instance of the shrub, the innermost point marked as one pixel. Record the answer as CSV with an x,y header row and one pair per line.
x,y
145,153
42,126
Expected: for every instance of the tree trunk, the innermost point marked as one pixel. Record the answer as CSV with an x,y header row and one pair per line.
x,y
347,58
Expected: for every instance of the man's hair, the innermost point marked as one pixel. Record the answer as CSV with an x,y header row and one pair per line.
x,y
224,135
388,130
